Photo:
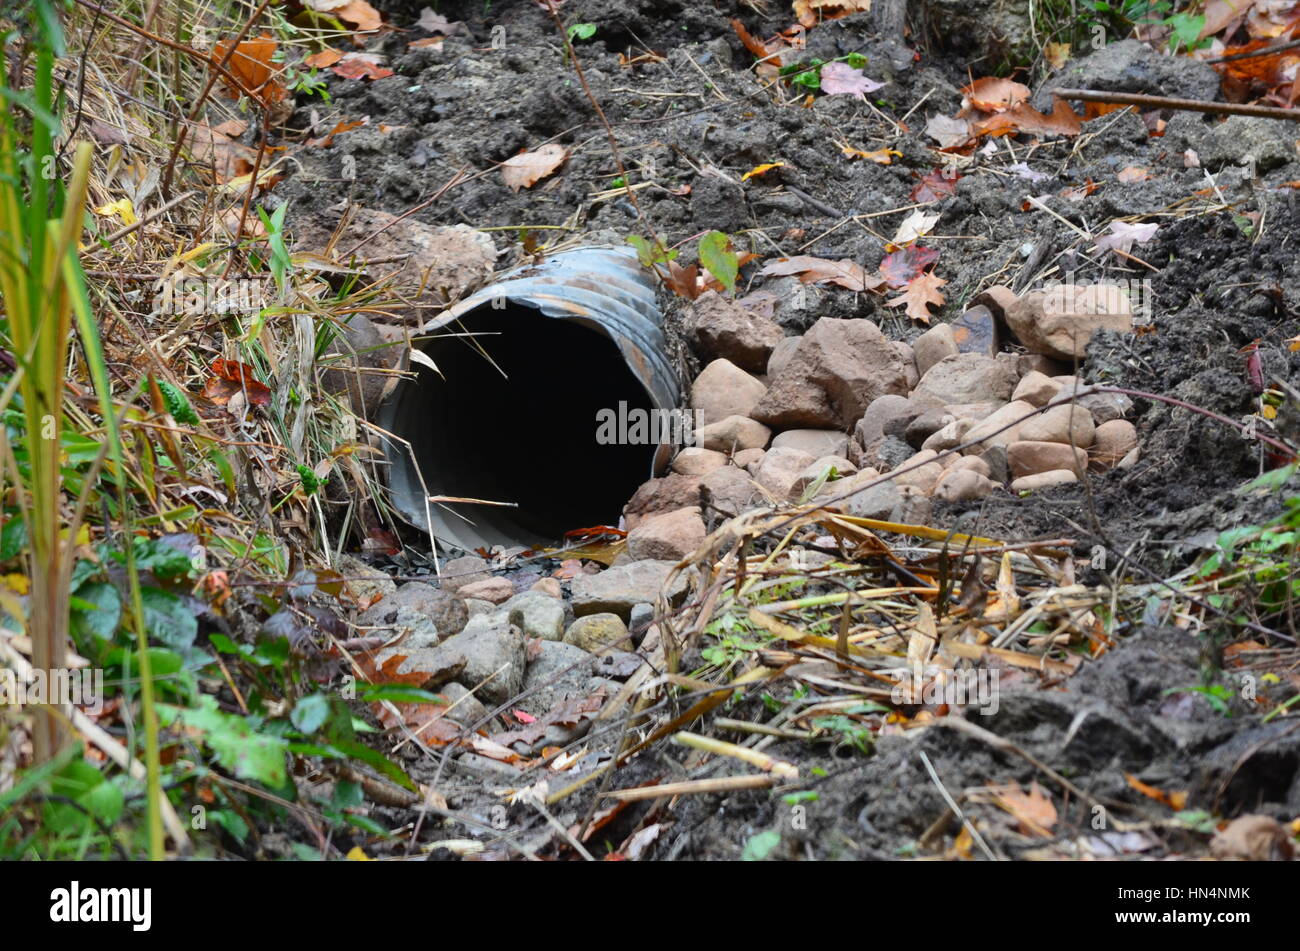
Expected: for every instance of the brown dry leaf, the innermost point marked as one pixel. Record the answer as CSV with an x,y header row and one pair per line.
x,y
811,12
433,22
1134,173
361,66
1056,54
1034,810
252,65
326,140
434,41
1025,118
992,94
879,156
921,292
360,14
528,168
232,127
947,131
324,59
813,270
228,158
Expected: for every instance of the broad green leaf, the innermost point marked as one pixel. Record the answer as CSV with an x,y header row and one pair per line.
x,y
719,260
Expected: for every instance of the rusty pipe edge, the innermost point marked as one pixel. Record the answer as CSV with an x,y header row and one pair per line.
x,y
603,289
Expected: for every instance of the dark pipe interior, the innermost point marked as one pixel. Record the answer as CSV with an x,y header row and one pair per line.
x,y
528,436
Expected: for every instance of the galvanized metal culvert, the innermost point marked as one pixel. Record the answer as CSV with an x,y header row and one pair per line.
x,y
526,369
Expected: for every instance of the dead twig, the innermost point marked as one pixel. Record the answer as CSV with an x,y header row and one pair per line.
x,y
1168,102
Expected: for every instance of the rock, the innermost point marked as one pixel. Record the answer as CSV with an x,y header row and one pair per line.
x,y
976,331
972,463
1132,66
430,614
734,434
1030,458
1036,388
461,706
838,369
592,632
985,432
748,458
617,589
962,485
672,492
719,327
1036,362
1043,480
494,657
995,457
486,768
883,501
998,299
1113,441
496,590
538,614
934,345
438,665
920,472
548,586
950,436
731,491
694,461
841,466
1129,461
723,389
973,411
1059,322
362,362
560,671
914,507
882,412
781,355
780,468
1064,423
889,453
477,606
815,442
459,572
667,537
926,425
364,585
905,353
1103,406
1240,139
965,378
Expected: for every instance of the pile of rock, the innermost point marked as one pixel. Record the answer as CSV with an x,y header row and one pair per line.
x,y
480,639
843,405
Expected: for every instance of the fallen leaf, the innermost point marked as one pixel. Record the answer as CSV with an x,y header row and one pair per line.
x,y
232,127
1025,118
992,94
903,266
1080,192
1034,811
813,270
433,22
251,63
879,156
361,66
1174,800
916,225
921,292
1252,838
361,15
934,186
230,377
326,140
228,158
1024,171
1133,173
434,41
761,170
528,168
1123,235
324,59
1056,54
811,12
1219,13
948,132
841,79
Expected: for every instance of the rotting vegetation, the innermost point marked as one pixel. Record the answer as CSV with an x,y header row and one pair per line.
x,y
973,686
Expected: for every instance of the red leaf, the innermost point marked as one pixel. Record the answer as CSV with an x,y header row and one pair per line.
x,y
934,186
901,267
230,377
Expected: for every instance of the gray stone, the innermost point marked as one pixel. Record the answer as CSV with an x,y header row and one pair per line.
x,y
538,614
815,442
597,631
493,648
462,571
430,614
966,378
616,590
882,412
719,327
882,501
559,672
